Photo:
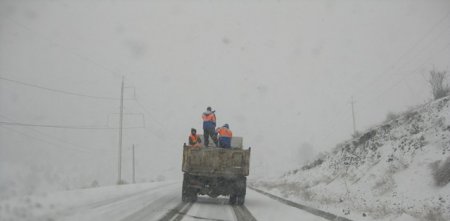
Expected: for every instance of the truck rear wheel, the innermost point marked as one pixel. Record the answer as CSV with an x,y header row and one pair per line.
x,y
188,194
240,189
232,199
237,199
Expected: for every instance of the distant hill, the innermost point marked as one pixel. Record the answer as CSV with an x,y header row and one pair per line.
x,y
399,170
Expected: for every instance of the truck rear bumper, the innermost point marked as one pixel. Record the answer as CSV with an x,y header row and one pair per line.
x,y
214,186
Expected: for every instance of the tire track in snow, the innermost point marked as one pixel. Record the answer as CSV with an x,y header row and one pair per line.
x,y
317,212
149,209
178,212
181,211
242,214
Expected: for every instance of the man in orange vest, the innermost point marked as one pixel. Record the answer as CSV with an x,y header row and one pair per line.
x,y
194,139
209,126
225,135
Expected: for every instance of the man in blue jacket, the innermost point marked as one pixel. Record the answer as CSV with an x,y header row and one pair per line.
x,y
209,126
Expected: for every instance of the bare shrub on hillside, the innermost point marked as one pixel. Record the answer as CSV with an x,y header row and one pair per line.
x,y
438,84
410,115
434,214
441,172
383,185
121,182
390,116
356,134
315,163
95,184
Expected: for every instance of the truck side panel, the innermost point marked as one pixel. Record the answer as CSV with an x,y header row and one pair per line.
x,y
216,161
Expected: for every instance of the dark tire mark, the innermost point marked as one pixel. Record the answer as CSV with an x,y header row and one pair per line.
x,y
179,210
183,212
242,214
149,209
311,210
204,218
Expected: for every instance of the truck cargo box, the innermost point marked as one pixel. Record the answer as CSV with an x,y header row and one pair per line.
x,y
212,161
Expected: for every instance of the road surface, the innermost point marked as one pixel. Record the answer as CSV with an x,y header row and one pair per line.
x,y
162,202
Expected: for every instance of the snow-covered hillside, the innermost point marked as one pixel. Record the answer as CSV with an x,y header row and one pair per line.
x,y
399,170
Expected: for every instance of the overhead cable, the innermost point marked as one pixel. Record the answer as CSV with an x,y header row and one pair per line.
x,y
379,77
66,49
62,126
58,90
59,146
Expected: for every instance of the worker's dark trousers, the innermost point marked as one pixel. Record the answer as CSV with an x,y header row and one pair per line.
x,y
210,132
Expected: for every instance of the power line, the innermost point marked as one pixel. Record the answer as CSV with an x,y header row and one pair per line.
x,y
415,45
405,76
62,126
137,100
391,67
57,90
439,35
48,142
364,107
152,118
66,49
395,83
53,137
148,112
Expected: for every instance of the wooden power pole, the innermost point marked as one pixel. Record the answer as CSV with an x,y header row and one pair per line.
x,y
353,115
134,167
119,178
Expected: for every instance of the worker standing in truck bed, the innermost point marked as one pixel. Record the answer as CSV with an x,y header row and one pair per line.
x,y
209,126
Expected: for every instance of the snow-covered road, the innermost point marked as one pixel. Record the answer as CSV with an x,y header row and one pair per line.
x,y
260,207
154,201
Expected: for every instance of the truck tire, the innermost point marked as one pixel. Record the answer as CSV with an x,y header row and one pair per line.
x,y
188,194
240,189
232,199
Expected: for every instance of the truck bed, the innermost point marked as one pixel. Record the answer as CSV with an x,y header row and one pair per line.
x,y
216,162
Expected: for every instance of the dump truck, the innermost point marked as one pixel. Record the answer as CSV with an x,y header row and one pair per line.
x,y
216,171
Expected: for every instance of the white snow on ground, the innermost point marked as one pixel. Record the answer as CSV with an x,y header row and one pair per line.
x,y
262,208
149,201
399,170
103,203
210,209
265,209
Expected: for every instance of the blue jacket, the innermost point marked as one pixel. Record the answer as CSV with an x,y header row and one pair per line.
x,y
225,142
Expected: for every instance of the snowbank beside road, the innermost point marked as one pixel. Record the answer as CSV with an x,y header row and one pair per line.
x,y
395,170
66,204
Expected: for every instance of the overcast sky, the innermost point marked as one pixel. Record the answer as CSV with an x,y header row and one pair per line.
x,y
281,73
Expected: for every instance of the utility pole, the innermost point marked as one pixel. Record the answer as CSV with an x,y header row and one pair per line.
x,y
134,167
119,178
353,115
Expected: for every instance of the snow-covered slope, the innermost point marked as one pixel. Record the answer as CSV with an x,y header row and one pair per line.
x,y
395,171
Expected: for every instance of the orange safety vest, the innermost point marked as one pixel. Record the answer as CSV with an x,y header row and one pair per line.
x,y
194,138
224,132
209,117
